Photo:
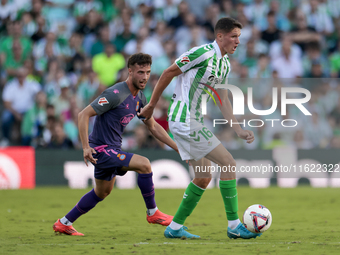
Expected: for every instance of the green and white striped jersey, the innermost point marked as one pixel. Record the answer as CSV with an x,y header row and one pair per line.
x,y
203,64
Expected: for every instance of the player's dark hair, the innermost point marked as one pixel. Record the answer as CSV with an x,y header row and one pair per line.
x,y
226,25
139,59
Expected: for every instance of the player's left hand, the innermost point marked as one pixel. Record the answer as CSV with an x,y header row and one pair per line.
x,y
246,135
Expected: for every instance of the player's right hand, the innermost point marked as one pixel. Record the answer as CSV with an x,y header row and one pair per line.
x,y
146,112
87,152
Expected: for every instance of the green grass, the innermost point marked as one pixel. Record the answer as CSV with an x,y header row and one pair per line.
x,y
305,221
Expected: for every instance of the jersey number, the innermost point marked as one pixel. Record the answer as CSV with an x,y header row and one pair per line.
x,y
203,132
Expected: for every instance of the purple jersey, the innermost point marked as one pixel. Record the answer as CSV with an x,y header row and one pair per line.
x,y
115,108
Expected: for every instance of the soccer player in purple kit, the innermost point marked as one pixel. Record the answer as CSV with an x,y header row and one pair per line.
x,y
114,109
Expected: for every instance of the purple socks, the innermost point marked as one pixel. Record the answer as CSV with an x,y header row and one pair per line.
x,y
85,204
90,199
145,184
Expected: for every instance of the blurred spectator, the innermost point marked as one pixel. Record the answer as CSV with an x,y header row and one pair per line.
x,y
143,139
275,49
166,9
89,29
272,33
59,139
316,70
18,97
36,8
335,62
318,131
123,38
71,124
256,11
29,25
315,58
34,121
300,142
161,63
14,60
49,41
82,8
98,46
31,73
148,44
286,64
178,21
14,34
107,65
302,34
48,131
262,69
61,102
7,10
198,7
88,87
41,29
53,87
318,17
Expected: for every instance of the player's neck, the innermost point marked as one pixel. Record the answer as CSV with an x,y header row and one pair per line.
x,y
221,49
134,91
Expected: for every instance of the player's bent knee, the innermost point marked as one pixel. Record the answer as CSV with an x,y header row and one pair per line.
x,y
145,166
102,193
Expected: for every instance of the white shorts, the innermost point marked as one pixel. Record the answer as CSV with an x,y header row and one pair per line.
x,y
194,140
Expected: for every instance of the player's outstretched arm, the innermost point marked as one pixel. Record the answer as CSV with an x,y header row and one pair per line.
x,y
227,112
162,83
83,125
159,132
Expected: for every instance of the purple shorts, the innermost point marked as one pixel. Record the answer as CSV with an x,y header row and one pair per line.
x,y
110,161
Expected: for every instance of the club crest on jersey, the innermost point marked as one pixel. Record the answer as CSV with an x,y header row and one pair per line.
x,y
102,101
121,156
116,91
137,106
185,60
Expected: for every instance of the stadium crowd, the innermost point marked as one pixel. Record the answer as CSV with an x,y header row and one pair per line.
x,y
56,56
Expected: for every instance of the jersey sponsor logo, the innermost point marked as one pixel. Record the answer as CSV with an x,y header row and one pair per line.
x,y
185,60
214,80
137,106
116,91
126,119
127,106
121,156
102,101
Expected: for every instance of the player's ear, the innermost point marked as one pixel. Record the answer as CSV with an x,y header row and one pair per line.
x,y
219,37
130,70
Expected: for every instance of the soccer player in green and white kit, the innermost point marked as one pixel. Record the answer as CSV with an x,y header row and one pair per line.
x,y
208,64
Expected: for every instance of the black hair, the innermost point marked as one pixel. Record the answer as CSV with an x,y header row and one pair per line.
x,y
139,59
226,25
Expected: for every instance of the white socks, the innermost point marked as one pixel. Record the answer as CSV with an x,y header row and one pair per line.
x,y
65,221
233,223
175,226
151,212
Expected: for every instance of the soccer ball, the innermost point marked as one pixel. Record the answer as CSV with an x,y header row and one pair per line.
x,y
257,218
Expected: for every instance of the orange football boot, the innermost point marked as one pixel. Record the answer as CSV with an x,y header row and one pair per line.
x,y
63,229
159,218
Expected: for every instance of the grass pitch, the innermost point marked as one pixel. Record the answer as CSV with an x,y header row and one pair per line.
x,y
305,221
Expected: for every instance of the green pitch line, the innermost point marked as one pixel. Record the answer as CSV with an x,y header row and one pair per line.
x,y
305,221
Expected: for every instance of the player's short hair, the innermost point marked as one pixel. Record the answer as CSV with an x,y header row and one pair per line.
x,y
139,59
226,25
